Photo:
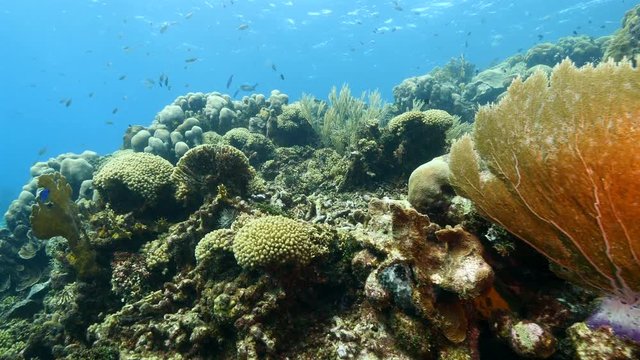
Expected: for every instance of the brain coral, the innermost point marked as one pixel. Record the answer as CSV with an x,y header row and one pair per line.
x,y
276,240
132,180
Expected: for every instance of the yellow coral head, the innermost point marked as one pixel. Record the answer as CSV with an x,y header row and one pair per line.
x,y
557,163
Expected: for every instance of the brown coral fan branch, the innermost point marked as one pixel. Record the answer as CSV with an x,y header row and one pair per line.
x,y
557,163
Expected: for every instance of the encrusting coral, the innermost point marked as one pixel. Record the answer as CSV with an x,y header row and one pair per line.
x,y
560,167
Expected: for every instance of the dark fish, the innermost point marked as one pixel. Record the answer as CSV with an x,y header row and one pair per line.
x,y
91,94
42,151
229,81
273,67
281,77
190,60
115,110
109,122
122,77
43,195
166,81
236,93
575,32
248,87
67,103
540,36
243,27
161,79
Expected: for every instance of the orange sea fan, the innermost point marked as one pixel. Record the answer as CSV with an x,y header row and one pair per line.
x,y
557,163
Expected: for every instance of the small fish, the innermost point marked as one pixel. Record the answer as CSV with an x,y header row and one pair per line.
x,y
91,94
466,44
188,15
281,77
122,77
108,122
42,151
115,110
66,102
166,81
161,79
190,60
273,67
43,195
164,27
229,81
248,87
148,83
236,93
540,36
243,27
575,32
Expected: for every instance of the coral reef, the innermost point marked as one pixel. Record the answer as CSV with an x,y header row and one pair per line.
x,y
626,41
259,229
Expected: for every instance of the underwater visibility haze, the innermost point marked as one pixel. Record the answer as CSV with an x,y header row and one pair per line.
x,y
232,179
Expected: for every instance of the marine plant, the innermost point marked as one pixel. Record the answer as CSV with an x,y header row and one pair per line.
x,y
557,163
55,214
345,116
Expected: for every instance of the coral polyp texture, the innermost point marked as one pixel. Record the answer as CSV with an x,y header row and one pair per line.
x,y
130,181
203,168
275,241
557,163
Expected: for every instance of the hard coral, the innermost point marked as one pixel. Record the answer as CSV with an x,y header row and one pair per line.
x,y
203,168
420,136
276,240
562,160
130,181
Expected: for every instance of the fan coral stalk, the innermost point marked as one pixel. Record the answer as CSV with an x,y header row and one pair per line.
x,y
557,163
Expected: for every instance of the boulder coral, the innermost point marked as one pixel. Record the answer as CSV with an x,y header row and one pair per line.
x,y
419,136
275,241
557,163
134,181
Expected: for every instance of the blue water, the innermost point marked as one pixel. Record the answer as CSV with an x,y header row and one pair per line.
x,y
99,54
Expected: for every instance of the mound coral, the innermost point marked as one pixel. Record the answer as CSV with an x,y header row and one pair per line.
x,y
421,136
273,241
557,163
203,168
130,181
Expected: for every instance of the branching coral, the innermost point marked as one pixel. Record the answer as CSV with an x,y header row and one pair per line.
x,y
562,161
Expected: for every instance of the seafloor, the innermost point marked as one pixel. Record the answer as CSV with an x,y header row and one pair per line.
x,y
263,229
